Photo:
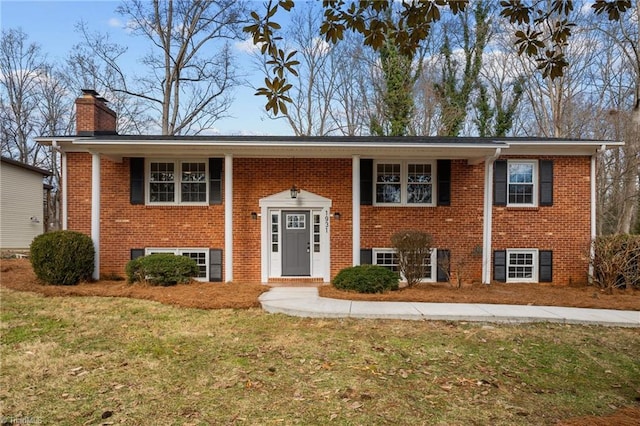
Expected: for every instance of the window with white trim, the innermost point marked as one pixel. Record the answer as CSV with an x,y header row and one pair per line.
x,y
405,183
177,182
201,257
522,265
387,258
522,178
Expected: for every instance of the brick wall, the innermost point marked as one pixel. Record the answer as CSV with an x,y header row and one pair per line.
x,y
563,228
93,116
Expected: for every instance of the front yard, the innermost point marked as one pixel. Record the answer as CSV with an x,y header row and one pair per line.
x,y
90,360
119,360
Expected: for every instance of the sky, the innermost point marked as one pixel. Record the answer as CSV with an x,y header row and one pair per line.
x,y
52,23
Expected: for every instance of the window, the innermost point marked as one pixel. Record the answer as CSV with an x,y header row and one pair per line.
x,y
405,183
521,183
316,233
388,258
522,265
201,256
194,183
295,221
275,220
178,182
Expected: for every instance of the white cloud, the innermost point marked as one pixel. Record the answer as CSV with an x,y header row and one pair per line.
x,y
247,46
114,22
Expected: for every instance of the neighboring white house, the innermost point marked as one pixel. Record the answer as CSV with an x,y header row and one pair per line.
x,y
21,204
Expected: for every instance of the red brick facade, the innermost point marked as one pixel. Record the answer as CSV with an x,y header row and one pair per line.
x,y
563,227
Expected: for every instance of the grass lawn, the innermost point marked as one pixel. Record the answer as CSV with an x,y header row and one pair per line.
x,y
95,360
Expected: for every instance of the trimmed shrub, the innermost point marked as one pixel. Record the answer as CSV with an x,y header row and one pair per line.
x,y
62,257
366,279
163,269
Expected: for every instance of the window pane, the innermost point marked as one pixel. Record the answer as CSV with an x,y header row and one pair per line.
x,y
201,260
387,260
161,192
419,193
521,183
161,186
520,265
274,233
419,188
520,194
388,183
520,172
194,183
296,221
194,192
162,172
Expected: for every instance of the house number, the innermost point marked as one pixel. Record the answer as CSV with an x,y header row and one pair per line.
x,y
326,221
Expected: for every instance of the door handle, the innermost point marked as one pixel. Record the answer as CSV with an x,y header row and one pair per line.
x,y
308,247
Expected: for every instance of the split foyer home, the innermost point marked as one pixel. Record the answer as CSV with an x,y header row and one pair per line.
x,y
283,208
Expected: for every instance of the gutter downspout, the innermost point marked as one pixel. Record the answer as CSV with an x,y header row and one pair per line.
x,y
487,220
594,229
63,184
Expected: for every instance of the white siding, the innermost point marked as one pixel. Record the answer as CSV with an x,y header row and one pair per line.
x,y
21,197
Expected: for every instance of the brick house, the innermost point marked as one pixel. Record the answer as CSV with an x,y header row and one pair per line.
x,y
273,209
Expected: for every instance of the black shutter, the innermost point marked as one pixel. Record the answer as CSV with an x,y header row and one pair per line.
x,y
136,253
215,180
444,265
215,265
444,182
500,265
545,273
366,256
136,180
546,182
366,182
500,183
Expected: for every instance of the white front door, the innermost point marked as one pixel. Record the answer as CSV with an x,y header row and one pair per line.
x,y
295,236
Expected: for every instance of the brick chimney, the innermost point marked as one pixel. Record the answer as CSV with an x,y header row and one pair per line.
x,y
93,116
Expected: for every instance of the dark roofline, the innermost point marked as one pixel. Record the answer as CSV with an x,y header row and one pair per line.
x,y
26,166
432,140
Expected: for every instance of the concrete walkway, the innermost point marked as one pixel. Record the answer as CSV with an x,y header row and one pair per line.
x,y
306,302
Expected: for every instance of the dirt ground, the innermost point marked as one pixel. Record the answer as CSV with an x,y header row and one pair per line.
x,y
17,274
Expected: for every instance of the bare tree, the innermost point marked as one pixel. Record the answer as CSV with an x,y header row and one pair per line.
x,y
22,66
187,82
620,178
83,70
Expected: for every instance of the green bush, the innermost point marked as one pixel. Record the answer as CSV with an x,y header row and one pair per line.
x,y
62,257
161,269
366,279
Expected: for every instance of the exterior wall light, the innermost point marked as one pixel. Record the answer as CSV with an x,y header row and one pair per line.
x,y
294,192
